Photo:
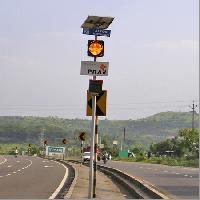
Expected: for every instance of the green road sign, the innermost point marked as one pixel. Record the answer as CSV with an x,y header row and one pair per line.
x,y
56,149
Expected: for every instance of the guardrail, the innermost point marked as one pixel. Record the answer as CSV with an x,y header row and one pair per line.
x,y
138,188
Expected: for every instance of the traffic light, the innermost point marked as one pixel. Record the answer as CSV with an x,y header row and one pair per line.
x,y
45,142
96,48
64,141
82,136
29,145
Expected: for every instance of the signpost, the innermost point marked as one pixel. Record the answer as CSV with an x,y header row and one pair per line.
x,y
100,104
95,25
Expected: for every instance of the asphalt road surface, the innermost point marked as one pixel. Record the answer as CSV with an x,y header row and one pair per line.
x,y
176,182
27,177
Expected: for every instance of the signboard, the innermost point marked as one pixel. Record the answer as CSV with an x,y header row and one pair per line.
x,y
97,32
94,68
50,149
95,86
97,22
100,104
115,142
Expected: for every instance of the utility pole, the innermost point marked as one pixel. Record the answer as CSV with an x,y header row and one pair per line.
x,y
124,134
193,112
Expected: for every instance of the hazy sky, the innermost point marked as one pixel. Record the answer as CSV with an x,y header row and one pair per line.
x,y
152,51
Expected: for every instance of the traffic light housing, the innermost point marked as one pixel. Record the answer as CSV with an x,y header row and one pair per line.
x,y
96,48
82,136
64,141
29,145
45,142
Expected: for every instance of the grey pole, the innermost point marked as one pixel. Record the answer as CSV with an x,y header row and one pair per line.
x,y
81,151
91,172
193,111
96,143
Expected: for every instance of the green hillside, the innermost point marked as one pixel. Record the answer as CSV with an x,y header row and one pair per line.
x,y
144,131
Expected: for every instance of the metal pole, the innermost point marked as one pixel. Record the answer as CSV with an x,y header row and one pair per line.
x,y
91,172
96,143
95,156
81,151
124,135
193,112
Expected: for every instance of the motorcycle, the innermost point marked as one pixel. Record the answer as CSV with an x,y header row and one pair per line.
x,y
105,159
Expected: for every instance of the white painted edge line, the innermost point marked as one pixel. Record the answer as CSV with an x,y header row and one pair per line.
x,y
61,184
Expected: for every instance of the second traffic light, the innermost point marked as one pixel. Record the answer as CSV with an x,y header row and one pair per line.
x,y
96,48
82,136
64,141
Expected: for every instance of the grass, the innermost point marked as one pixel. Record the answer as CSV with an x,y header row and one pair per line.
x,y
171,161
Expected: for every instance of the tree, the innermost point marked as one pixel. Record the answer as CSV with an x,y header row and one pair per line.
x,y
190,139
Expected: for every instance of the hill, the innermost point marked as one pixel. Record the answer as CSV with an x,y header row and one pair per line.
x,y
143,131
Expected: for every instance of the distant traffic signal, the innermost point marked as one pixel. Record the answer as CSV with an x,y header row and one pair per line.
x,y
29,145
82,136
96,48
64,141
45,142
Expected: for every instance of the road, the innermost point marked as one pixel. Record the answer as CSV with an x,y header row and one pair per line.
x,y
27,177
176,182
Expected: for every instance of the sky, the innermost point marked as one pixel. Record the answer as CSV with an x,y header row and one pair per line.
x,y
153,56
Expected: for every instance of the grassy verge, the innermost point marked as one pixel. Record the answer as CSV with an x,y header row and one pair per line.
x,y
163,160
9,149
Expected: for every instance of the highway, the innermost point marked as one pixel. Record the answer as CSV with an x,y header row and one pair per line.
x,y
27,177
176,182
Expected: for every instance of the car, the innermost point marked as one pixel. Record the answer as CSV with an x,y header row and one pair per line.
x,y
86,156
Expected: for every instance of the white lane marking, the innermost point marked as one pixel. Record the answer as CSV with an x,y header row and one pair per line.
x,y
5,160
165,171
148,168
14,172
47,166
61,184
177,173
141,167
185,175
45,161
191,177
8,174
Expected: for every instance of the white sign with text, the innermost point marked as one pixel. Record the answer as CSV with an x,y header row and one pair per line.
x,y
94,68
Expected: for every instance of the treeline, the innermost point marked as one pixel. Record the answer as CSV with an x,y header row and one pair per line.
x,y
141,132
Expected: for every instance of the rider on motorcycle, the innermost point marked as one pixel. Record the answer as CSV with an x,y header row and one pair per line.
x,y
105,157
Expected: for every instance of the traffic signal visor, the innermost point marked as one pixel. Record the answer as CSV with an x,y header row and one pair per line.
x,y
64,141
96,48
82,136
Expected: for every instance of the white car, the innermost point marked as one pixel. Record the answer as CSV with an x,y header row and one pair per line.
x,y
86,156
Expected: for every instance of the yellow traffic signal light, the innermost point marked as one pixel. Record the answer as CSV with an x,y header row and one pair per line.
x,y
82,136
96,48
